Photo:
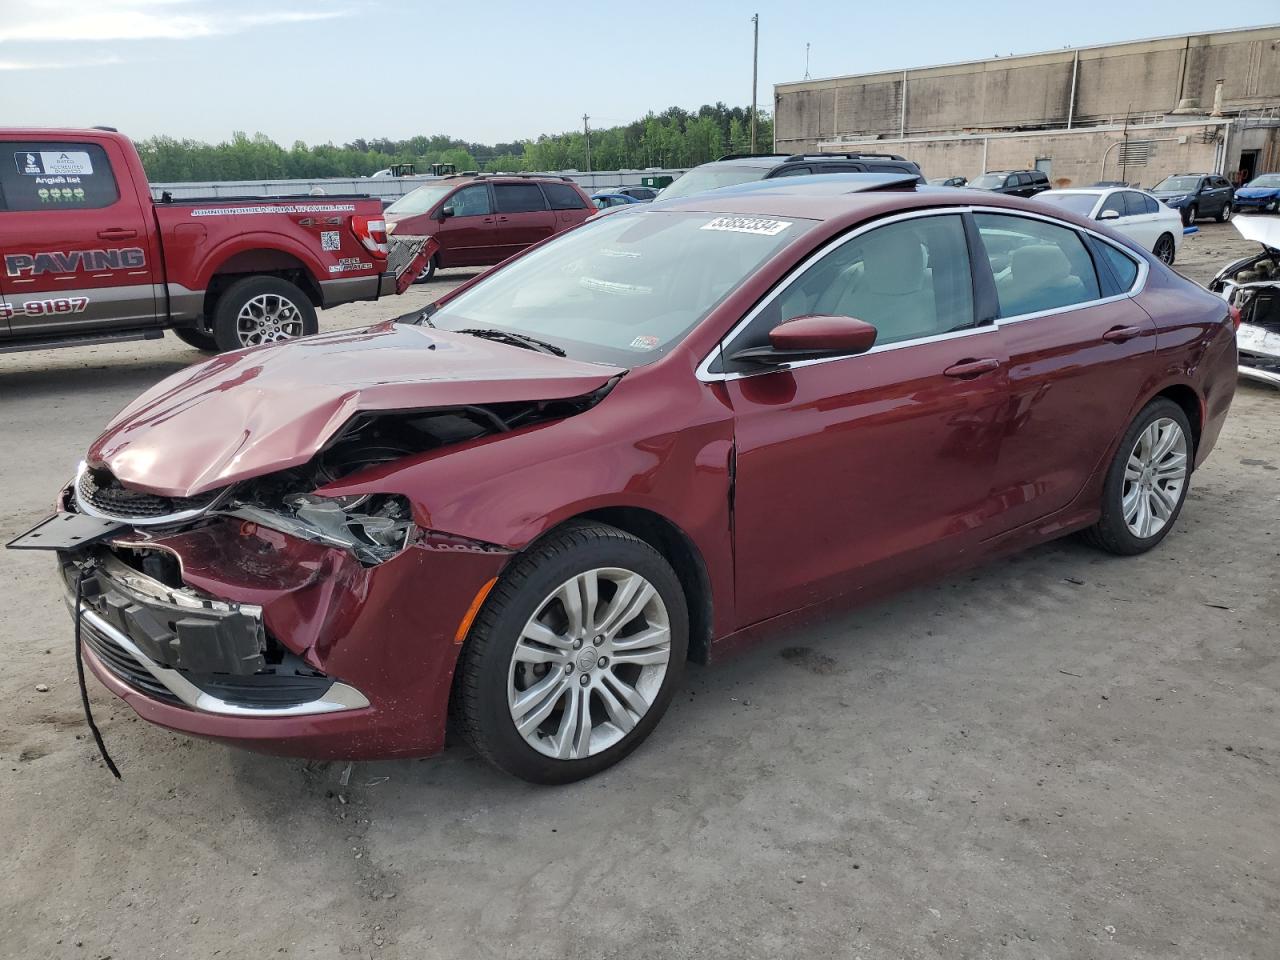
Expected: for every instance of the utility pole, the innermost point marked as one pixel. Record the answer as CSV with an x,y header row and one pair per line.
x,y
586,132
806,61
755,58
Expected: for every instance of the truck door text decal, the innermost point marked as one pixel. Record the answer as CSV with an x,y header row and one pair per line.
x,y
77,261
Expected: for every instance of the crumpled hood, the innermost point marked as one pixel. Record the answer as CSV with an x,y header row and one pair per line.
x,y
1265,230
1257,193
254,412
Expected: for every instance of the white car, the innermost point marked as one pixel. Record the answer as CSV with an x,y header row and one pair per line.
x,y
1139,216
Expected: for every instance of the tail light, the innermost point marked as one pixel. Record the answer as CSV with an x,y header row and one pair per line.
x,y
1234,311
372,233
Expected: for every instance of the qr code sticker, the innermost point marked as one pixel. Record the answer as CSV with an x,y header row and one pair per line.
x,y
329,240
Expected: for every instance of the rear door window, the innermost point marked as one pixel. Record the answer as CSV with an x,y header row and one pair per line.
x,y
518,197
1135,204
55,175
794,171
561,196
1121,264
1038,266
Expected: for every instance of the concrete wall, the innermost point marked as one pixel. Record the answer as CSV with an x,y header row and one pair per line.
x,y
1146,77
1085,155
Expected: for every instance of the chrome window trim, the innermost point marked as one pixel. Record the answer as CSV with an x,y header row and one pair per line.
x,y
704,374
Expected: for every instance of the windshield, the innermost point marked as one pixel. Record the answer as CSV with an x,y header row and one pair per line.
x,y
420,200
988,180
711,176
624,289
1081,203
1177,184
1266,180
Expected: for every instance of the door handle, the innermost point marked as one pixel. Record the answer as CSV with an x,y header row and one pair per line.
x,y
502,219
968,369
117,233
1121,334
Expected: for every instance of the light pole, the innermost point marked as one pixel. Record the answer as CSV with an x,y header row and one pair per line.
x,y
755,57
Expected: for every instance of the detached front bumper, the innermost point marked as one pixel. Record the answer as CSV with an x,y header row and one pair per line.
x,y
282,645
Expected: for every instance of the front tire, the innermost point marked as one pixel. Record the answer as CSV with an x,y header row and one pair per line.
x,y
1147,482
202,341
574,656
1165,249
1193,212
259,310
428,272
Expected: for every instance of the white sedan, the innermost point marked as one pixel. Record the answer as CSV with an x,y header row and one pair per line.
x,y
1139,216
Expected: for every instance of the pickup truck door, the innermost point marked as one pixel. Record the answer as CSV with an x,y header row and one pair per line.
x,y
75,239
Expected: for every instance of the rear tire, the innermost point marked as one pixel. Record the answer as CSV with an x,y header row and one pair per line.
x,y
1147,482
259,310
200,339
1225,214
532,668
1165,249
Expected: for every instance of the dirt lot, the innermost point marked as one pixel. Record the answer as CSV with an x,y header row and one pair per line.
x,y
1064,755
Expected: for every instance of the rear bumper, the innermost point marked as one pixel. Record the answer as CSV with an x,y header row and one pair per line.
x,y
1264,369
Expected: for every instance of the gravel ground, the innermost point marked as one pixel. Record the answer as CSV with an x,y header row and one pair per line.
x,y
1063,755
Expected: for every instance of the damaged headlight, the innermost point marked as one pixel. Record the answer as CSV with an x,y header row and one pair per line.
x,y
374,527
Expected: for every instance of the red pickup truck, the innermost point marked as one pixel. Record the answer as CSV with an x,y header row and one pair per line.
x,y
89,257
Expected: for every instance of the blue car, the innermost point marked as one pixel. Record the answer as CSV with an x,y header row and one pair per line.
x,y
604,201
1260,193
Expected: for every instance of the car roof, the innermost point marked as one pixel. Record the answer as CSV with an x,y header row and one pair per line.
x,y
834,196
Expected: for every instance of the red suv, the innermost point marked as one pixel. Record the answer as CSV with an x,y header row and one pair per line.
x,y
480,220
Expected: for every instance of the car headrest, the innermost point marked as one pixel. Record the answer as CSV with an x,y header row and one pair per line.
x,y
895,263
1041,263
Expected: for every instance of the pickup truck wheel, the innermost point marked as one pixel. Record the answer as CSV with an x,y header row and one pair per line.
x,y
428,271
196,338
260,310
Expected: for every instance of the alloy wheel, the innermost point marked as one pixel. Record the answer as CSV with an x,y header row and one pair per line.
x,y
1154,477
1226,213
589,663
1164,249
268,318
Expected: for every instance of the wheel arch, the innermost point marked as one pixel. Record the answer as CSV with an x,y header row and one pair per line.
x,y
1186,397
678,549
257,262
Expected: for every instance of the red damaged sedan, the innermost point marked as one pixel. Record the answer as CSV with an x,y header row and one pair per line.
x,y
634,444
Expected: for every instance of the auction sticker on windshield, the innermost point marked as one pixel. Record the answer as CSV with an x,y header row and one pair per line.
x,y
757,225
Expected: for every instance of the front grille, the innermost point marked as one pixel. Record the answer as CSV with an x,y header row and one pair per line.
x,y
123,664
100,490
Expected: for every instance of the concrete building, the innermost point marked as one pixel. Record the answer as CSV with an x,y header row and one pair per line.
x,y
1134,111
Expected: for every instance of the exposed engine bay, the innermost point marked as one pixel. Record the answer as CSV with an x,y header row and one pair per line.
x,y
372,527
1252,286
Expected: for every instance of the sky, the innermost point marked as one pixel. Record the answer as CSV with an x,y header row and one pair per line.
x,y
335,70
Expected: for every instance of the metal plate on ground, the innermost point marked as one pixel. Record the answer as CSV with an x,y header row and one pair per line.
x,y
66,531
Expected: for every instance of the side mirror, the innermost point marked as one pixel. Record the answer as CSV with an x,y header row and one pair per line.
x,y
812,337
1109,215
446,212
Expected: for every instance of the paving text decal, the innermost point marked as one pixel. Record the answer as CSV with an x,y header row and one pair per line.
x,y
75,261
